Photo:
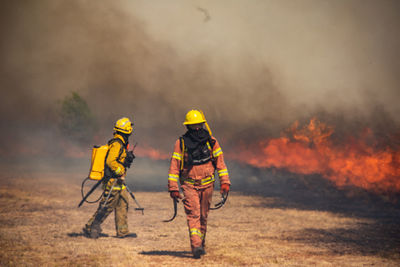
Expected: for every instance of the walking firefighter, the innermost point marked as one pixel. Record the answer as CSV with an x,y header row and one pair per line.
x,y
115,195
197,154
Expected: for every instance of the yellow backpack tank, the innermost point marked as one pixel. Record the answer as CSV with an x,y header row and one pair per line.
x,y
99,154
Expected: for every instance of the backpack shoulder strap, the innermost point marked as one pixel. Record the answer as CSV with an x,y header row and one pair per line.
x,y
121,143
212,142
182,145
213,160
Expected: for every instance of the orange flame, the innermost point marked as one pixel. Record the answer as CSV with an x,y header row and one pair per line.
x,y
310,150
149,152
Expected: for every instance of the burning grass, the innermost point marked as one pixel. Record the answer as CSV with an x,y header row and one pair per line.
x,y
40,225
360,160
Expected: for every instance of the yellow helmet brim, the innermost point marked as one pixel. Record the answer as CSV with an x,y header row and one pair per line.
x,y
194,117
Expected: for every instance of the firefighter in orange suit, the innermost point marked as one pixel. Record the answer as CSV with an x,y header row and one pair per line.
x,y
115,196
195,158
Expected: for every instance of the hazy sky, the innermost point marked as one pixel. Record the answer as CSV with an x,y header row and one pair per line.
x,y
253,66
329,52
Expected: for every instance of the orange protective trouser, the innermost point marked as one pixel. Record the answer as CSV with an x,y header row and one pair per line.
x,y
197,205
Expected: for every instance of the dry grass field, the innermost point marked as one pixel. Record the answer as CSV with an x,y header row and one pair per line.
x,y
40,225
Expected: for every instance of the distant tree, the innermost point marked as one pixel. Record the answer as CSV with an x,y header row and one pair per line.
x,y
76,120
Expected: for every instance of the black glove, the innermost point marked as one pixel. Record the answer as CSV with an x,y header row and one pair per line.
x,y
121,180
129,159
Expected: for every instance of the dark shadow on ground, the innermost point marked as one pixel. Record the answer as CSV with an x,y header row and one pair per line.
x,y
379,234
180,254
82,234
369,239
312,192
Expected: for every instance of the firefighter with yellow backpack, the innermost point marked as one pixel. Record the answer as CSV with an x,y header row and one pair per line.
x,y
115,195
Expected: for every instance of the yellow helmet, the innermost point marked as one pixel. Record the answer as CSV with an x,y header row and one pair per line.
x,y
194,117
123,125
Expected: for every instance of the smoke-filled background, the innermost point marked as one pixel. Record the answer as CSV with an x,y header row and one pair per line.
x,y
254,68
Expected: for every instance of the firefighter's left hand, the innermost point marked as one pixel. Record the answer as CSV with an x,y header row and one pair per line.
x,y
225,188
121,179
129,159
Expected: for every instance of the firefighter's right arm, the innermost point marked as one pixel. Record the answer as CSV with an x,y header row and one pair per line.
x,y
174,168
112,159
220,164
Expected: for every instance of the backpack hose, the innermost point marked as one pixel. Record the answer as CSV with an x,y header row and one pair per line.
x,y
83,195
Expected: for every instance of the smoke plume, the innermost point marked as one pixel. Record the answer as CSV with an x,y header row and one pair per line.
x,y
253,67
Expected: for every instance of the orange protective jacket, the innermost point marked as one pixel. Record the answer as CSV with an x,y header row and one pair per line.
x,y
199,176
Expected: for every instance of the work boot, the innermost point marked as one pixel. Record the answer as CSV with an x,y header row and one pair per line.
x,y
132,235
95,230
197,252
86,232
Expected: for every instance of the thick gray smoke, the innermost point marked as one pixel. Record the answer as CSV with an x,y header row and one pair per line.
x,y
254,67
